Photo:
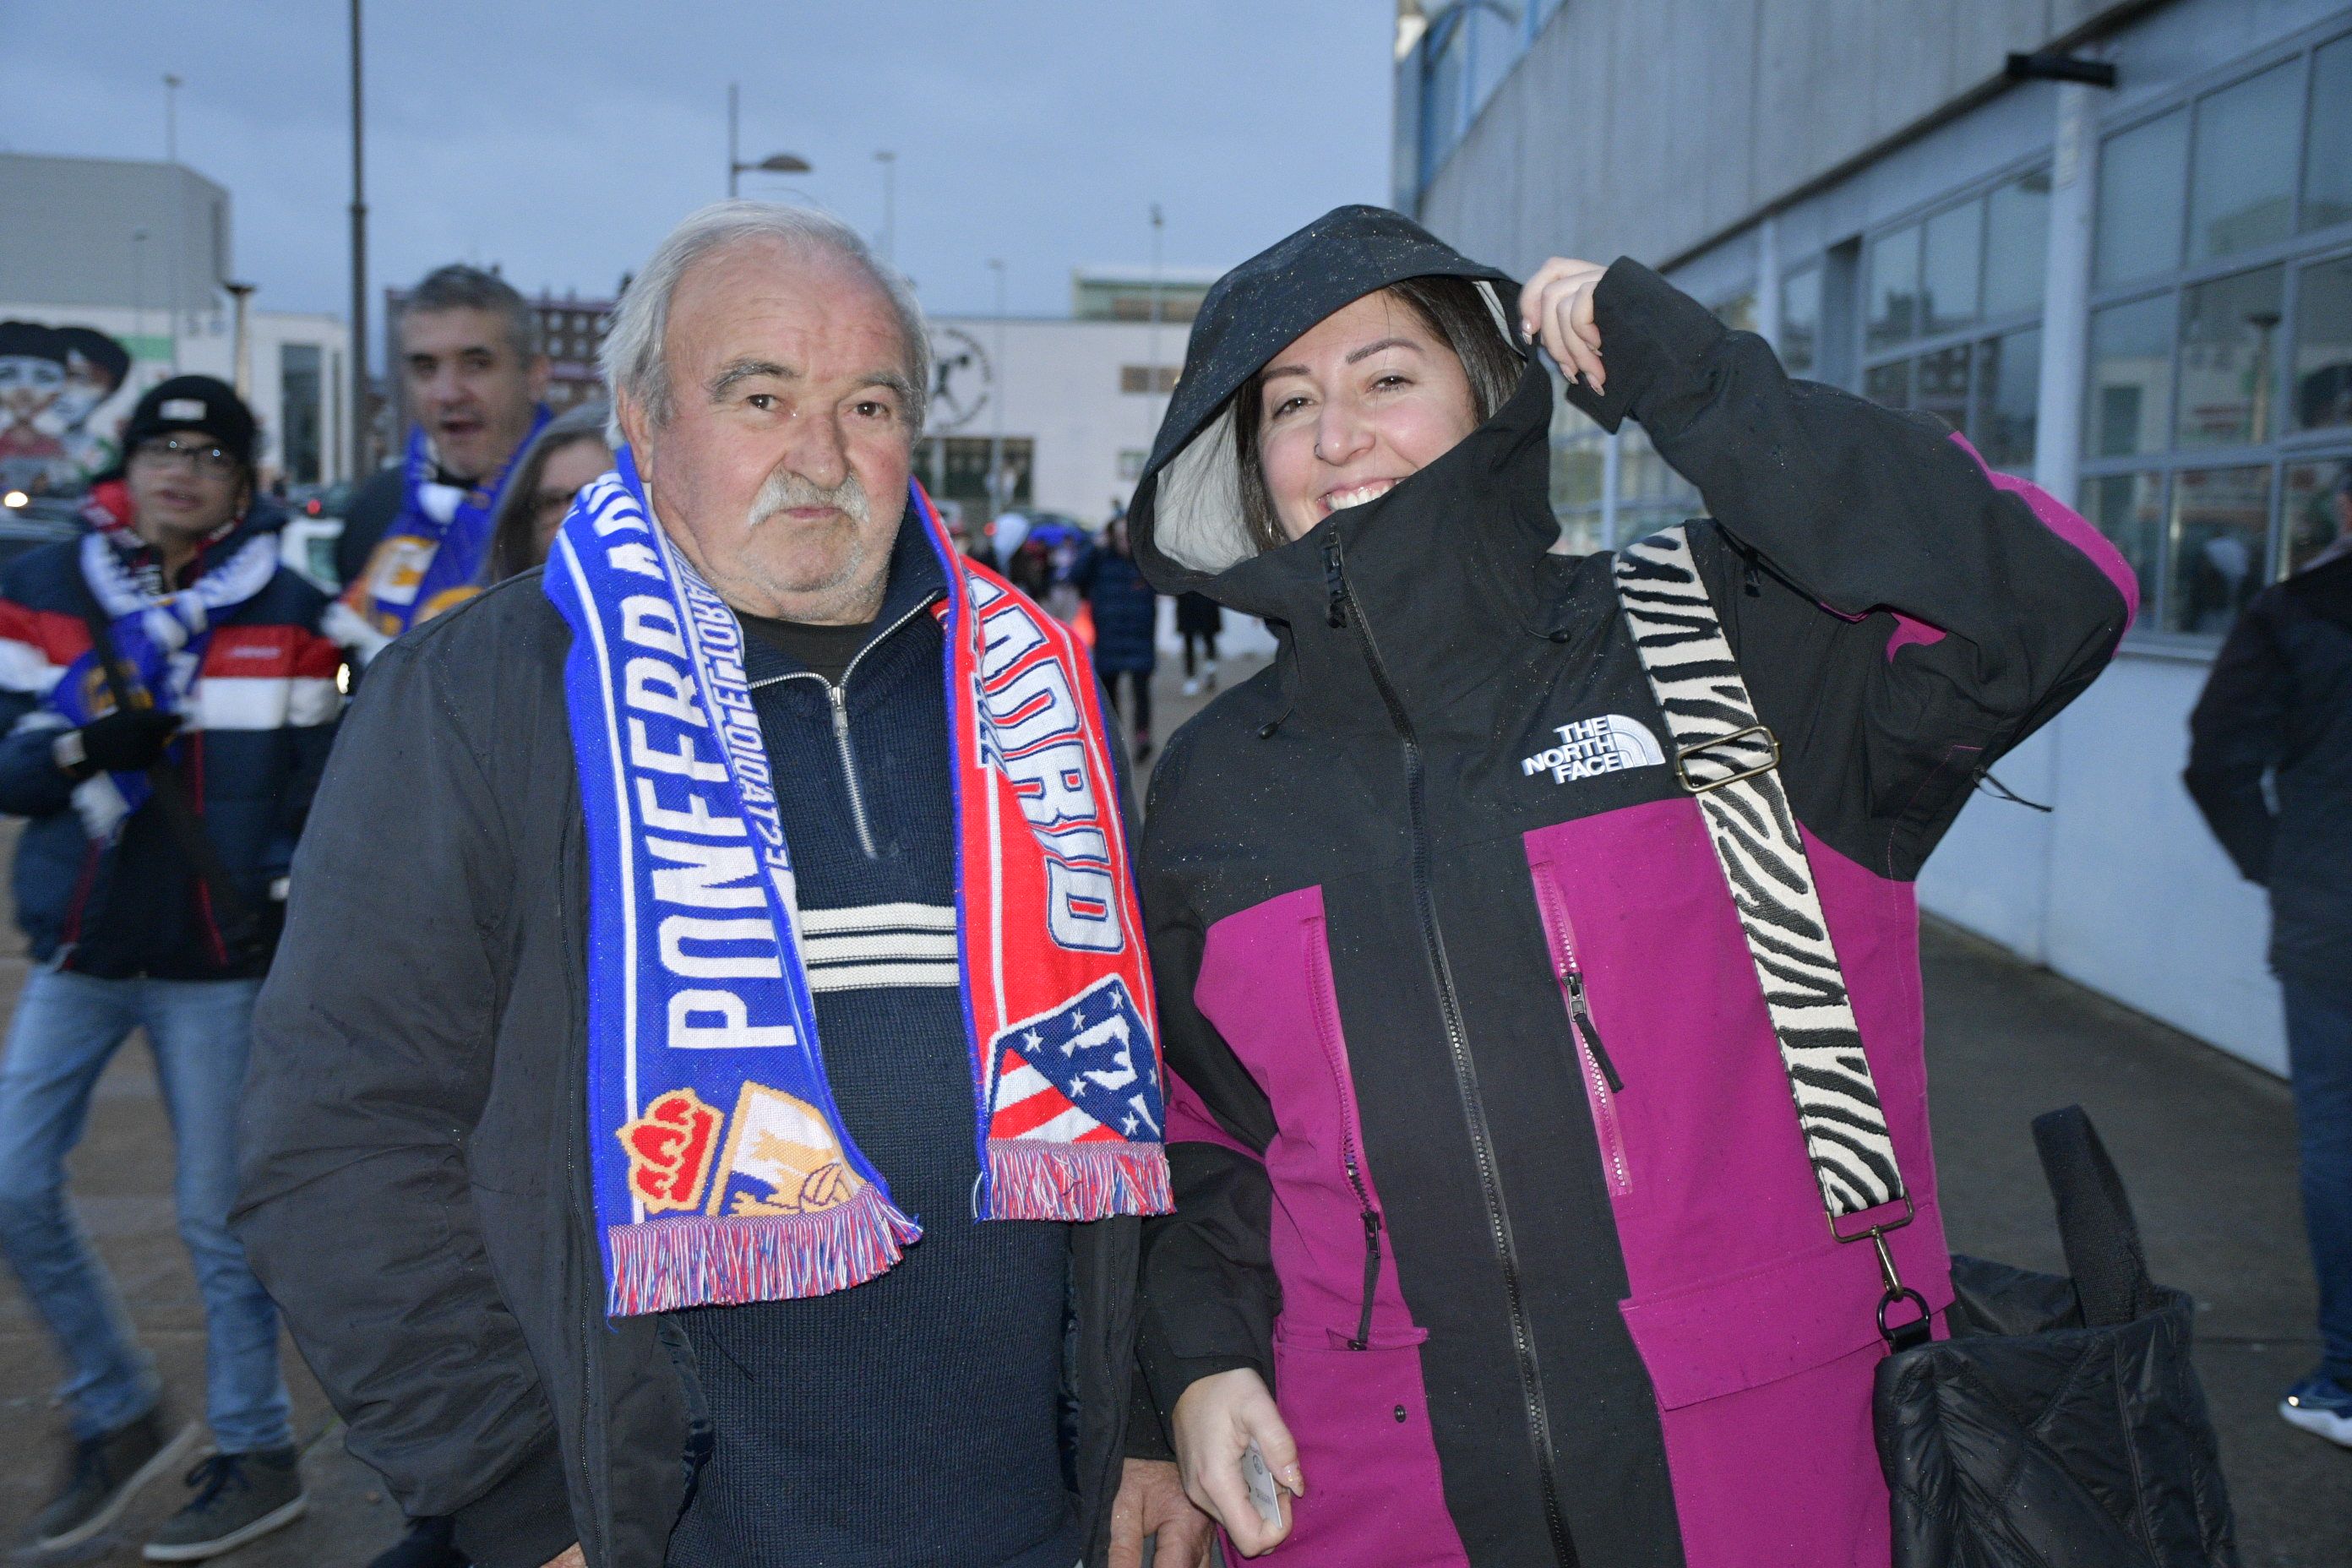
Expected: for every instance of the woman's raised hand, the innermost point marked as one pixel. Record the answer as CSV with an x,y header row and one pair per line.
x,y
1556,310
1215,1421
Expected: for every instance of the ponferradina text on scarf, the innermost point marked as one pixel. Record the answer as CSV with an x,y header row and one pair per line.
x,y
722,1172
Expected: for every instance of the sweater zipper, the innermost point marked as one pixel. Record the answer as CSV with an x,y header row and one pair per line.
x,y
1327,1016
1601,1084
837,693
1345,609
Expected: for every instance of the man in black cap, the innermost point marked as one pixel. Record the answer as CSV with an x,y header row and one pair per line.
x,y
167,703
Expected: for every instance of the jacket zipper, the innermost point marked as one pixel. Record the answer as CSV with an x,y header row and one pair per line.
x,y
1601,1084
838,693
1327,1014
1346,609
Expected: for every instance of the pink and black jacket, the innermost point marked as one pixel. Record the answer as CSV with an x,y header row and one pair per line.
x,y
1483,1150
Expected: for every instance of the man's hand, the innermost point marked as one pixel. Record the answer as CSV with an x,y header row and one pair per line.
x,y
1151,1502
1556,310
127,740
1215,1421
572,1558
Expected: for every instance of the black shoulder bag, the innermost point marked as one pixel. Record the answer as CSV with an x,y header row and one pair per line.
x,y
2062,1426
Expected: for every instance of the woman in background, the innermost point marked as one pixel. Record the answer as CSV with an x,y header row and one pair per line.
x,y
569,455
1126,623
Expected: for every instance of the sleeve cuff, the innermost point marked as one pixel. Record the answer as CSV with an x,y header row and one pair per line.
x,y
525,1520
1648,327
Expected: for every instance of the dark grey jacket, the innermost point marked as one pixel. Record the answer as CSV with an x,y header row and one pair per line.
x,y
2279,704
416,1186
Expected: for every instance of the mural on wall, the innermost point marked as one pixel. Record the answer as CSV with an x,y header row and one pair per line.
x,y
64,394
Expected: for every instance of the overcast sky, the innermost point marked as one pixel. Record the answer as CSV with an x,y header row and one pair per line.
x,y
561,141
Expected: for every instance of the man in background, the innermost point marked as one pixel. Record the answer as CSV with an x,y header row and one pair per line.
x,y
168,705
2277,711
417,534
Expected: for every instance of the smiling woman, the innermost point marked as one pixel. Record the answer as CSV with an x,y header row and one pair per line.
x,y
1372,393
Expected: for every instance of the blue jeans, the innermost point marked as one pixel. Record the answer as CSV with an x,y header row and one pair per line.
x,y
66,1028
2320,1054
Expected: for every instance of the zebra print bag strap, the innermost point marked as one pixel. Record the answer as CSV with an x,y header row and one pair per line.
x,y
1730,762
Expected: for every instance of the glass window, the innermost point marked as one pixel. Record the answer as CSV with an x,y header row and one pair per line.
x,y
2141,176
2327,163
2323,346
2318,508
2242,184
2218,549
2129,510
2131,378
1643,476
1738,312
2228,331
1578,455
2016,245
1942,387
2009,394
1894,288
1954,245
1800,321
1888,384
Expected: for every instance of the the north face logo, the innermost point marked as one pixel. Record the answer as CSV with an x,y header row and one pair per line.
x,y
1590,746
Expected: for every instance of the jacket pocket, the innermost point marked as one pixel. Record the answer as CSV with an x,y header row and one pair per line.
x,y
1317,956
1593,1064
1361,1417
1763,1383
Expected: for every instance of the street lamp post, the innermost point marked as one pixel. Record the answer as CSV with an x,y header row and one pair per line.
x,y
997,497
170,119
773,164
889,161
138,282
1151,388
359,268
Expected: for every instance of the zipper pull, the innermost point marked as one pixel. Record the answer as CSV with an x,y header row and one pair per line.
x,y
1582,1013
840,710
1363,1340
1337,614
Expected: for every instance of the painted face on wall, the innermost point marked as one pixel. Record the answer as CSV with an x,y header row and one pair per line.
x,y
29,385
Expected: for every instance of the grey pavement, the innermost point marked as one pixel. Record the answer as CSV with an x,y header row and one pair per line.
x,y
2205,1144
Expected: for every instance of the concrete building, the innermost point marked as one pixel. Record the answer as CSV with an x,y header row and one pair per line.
x,y
112,277
2139,295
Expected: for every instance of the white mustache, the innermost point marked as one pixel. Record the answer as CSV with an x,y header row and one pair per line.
x,y
789,490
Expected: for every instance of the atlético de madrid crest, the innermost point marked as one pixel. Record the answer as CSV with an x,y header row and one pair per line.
x,y
1080,1074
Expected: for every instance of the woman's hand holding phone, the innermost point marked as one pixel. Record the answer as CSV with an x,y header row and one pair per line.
x,y
1216,1422
1556,310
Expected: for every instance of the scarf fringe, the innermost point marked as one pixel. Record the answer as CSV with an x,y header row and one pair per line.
x,y
1028,1178
691,1261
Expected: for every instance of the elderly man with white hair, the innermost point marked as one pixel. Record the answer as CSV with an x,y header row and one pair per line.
x,y
705,1101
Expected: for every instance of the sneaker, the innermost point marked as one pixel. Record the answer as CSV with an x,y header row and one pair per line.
x,y
1209,676
2322,1405
239,1498
103,1474
429,1544
1192,685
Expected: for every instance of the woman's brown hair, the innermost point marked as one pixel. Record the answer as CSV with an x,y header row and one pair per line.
x,y
1453,308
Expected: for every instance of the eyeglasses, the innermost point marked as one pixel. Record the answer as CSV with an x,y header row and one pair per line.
x,y
169,451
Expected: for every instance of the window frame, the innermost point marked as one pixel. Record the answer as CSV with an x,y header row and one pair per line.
x,y
2299,249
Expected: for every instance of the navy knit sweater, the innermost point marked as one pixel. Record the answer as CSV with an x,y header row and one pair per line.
x,y
915,1418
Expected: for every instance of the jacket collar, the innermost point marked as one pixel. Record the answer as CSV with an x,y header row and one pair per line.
x,y
916,579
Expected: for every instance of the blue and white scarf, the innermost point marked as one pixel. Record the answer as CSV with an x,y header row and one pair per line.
x,y
159,644
431,557
722,1173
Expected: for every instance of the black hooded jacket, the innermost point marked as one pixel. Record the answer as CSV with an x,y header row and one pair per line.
x,y
1358,846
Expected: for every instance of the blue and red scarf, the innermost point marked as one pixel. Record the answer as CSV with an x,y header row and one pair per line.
x,y
722,1172
430,560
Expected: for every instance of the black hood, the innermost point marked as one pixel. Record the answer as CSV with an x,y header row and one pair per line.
x,y
1185,518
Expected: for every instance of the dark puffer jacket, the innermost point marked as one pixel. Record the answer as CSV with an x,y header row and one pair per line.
x,y
1513,1312
2279,704
261,719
